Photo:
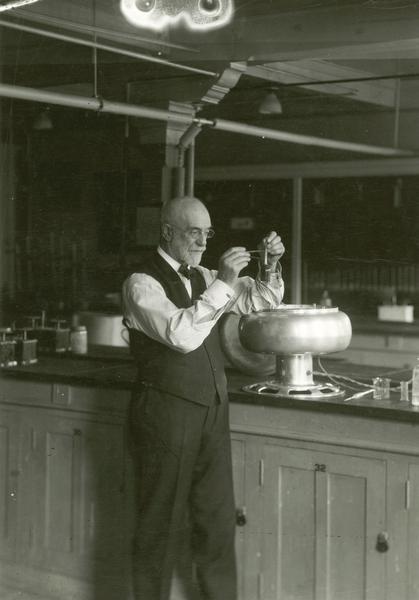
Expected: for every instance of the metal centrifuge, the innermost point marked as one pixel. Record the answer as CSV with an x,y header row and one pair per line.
x,y
287,338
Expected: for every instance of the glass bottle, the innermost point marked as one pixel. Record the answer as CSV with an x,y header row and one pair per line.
x,y
415,384
78,337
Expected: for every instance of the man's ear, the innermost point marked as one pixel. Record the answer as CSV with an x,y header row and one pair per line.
x,y
166,232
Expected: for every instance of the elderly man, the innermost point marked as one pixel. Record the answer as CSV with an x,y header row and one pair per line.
x,y
179,419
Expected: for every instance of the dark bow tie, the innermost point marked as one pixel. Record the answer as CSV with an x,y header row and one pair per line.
x,y
197,282
185,270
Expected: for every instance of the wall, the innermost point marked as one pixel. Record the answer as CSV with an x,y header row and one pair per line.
x,y
361,241
80,184
79,188
360,235
7,215
243,212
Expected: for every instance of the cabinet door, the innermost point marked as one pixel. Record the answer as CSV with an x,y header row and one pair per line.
x,y
246,458
322,513
9,480
413,533
73,520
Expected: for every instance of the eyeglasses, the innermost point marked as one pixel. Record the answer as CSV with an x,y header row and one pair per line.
x,y
195,232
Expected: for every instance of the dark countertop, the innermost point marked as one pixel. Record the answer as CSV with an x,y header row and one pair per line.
x,y
118,372
98,371
366,406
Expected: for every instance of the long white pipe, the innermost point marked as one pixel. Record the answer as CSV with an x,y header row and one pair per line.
x,y
130,110
94,44
308,140
94,104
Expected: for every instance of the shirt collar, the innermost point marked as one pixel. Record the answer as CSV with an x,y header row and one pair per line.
x,y
169,259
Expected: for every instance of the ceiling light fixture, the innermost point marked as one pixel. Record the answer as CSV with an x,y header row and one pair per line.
x,y
43,121
9,4
200,15
271,104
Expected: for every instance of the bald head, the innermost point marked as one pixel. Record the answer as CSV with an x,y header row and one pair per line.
x,y
180,211
185,223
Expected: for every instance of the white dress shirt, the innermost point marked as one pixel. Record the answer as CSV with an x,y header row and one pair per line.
x,y
147,308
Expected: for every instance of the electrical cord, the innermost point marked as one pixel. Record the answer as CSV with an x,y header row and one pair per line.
x,y
335,378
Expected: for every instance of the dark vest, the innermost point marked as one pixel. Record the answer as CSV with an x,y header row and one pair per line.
x,y
197,376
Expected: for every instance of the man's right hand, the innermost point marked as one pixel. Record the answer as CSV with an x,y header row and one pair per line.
x,y
231,263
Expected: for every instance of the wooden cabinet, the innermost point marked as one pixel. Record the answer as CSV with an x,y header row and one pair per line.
x,y
9,481
333,500
245,455
383,349
327,503
315,522
73,494
322,514
238,450
412,502
70,531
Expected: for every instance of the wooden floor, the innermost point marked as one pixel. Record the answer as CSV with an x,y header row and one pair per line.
x,y
9,594
179,591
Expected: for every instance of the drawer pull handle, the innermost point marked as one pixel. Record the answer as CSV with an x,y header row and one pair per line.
x,y
382,544
241,517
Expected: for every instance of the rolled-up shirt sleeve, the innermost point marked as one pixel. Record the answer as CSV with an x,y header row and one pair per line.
x,y
147,308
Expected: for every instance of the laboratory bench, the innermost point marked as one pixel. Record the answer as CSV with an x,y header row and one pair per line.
x,y
327,491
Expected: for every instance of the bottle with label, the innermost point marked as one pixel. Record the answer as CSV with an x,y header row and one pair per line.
x,y
325,300
78,337
415,384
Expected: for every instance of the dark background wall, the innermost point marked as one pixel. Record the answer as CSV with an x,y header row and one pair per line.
x,y
77,196
79,191
360,235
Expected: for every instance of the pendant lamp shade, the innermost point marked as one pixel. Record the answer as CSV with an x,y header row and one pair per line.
x,y
270,105
43,121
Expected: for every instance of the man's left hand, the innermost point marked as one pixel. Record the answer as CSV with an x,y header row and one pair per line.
x,y
274,246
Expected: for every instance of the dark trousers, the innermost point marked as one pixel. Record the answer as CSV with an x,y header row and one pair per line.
x,y
183,460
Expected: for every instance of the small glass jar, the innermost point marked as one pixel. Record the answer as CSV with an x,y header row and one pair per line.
x,y
78,340
404,391
381,388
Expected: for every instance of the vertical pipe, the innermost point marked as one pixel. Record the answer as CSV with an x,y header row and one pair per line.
x,y
125,181
397,115
296,256
124,207
179,173
94,51
190,170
